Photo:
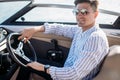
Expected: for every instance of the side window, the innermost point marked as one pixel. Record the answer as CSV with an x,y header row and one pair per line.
x,y
48,14
106,18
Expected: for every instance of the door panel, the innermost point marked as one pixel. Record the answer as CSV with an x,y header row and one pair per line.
x,y
113,40
63,41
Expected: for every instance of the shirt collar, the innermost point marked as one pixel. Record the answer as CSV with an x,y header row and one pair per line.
x,y
95,27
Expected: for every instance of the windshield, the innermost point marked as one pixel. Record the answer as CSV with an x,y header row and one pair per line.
x,y
7,9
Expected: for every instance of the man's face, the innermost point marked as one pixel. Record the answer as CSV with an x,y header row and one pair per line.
x,y
86,15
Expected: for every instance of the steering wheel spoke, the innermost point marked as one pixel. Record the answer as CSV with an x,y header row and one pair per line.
x,y
21,54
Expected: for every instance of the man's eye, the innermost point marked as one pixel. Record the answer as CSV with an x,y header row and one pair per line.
x,y
85,12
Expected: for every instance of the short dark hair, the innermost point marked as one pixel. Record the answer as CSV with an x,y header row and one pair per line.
x,y
93,3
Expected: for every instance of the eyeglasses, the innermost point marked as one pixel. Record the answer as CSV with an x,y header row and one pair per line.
x,y
82,11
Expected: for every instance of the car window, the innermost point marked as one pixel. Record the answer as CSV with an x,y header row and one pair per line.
x,y
62,2
7,9
106,18
111,13
57,11
61,14
49,14
111,5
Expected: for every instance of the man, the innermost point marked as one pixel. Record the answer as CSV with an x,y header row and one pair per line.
x,y
89,45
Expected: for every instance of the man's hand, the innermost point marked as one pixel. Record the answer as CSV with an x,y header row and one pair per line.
x,y
36,66
27,34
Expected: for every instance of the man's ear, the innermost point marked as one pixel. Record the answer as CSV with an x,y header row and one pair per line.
x,y
96,14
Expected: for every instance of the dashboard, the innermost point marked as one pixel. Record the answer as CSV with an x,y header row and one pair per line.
x,y
4,63
3,34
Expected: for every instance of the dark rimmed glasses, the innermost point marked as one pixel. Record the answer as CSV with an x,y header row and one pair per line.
x,y
81,11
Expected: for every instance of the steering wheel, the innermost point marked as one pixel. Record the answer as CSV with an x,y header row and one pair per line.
x,y
22,53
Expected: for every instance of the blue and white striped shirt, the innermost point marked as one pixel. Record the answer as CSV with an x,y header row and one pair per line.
x,y
87,50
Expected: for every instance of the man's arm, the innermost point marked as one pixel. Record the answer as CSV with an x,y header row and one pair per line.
x,y
28,33
61,29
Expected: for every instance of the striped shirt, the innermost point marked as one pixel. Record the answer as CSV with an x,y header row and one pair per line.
x,y
87,50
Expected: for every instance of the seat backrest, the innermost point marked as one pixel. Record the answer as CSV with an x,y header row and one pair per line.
x,y
96,70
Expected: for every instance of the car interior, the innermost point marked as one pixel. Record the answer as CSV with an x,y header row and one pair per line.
x,y
50,47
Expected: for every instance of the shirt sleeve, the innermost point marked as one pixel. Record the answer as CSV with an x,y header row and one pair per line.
x,y
94,51
61,29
